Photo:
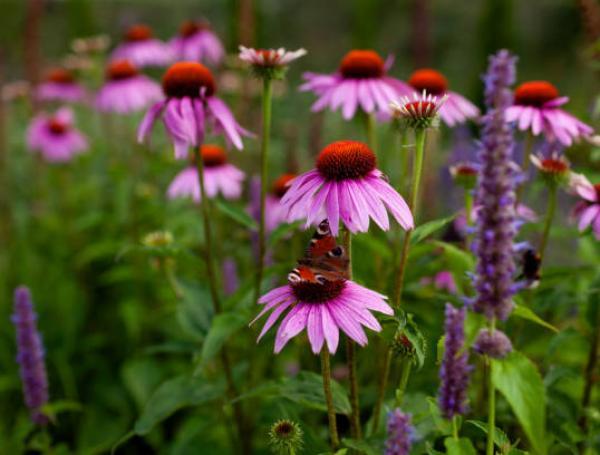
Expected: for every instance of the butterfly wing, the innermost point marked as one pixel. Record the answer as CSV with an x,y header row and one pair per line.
x,y
324,256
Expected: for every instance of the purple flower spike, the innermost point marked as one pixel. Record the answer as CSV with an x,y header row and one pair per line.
x,y
496,226
455,370
30,355
493,344
401,433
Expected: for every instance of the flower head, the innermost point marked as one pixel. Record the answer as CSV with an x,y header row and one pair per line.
x,y
269,63
219,176
55,137
285,437
537,107
30,355
190,107
126,90
493,343
457,109
587,210
361,82
554,169
419,113
455,369
400,433
140,47
197,42
465,174
59,84
346,186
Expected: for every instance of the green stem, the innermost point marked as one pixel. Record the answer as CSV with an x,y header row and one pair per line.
x,y
549,217
326,373
491,400
370,126
385,372
404,375
454,428
264,155
414,194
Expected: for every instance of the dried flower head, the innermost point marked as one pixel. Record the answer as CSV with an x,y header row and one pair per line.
x,y
285,437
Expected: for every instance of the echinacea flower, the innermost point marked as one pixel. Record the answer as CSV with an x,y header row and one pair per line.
x,y
219,177
537,107
30,355
464,174
554,169
275,213
321,307
141,48
285,437
400,433
443,281
457,109
420,112
493,343
269,63
55,137
60,85
346,186
360,82
455,369
126,90
189,108
197,42
588,210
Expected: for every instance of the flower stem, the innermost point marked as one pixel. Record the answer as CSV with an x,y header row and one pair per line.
x,y
326,372
414,193
351,353
371,131
549,217
383,380
454,428
404,375
491,400
264,155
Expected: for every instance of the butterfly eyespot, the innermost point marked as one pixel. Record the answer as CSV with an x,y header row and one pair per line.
x,y
293,277
337,252
323,227
320,279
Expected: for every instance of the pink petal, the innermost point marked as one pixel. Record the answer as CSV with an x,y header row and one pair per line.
x,y
272,317
292,325
314,327
330,329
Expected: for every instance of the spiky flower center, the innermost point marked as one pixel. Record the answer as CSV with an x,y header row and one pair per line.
x,y
213,155
270,57
120,70
283,429
465,170
189,28
362,64
306,291
138,32
431,81
57,127
60,76
346,160
280,186
554,166
535,93
186,79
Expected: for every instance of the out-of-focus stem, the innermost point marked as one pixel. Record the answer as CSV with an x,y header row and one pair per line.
x,y
552,194
371,131
491,399
404,375
326,373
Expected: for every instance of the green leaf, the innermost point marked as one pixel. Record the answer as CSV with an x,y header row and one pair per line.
x,y
500,438
378,247
236,213
415,336
518,379
367,447
458,260
425,230
194,311
460,446
526,313
223,326
172,395
282,231
444,426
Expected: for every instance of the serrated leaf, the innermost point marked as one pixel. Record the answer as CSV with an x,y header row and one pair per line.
x,y
222,327
518,379
237,214
425,230
500,438
460,446
173,395
526,313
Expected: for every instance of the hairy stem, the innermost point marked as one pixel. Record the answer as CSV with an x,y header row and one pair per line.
x,y
326,373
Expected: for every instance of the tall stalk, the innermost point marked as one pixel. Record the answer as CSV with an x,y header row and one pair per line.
x,y
326,373
550,210
371,131
264,156
491,399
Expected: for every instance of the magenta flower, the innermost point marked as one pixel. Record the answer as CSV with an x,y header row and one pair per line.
x,y
536,108
219,177
141,48
197,42
189,108
60,85
360,82
443,280
322,307
275,213
346,186
586,211
55,137
126,90
457,109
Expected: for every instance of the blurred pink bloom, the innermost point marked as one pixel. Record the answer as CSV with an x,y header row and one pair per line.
x,y
60,85
456,109
269,57
360,83
142,49
197,42
126,90
586,211
275,213
55,137
537,108
346,186
219,177
443,281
